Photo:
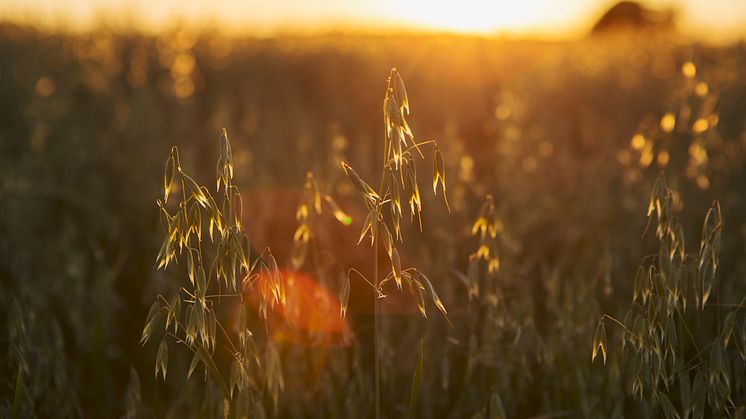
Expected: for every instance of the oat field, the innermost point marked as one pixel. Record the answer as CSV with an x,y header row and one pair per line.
x,y
359,226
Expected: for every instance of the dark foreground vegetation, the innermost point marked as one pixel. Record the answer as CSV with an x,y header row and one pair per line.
x,y
596,190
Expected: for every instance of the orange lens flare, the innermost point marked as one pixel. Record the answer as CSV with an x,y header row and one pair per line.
x,y
310,315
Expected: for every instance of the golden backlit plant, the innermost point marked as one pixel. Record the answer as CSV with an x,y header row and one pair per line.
x,y
676,362
398,188
217,268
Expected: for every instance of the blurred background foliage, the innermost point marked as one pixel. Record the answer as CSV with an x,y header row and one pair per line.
x,y
567,137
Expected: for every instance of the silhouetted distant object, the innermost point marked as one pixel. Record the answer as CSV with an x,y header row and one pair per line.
x,y
633,16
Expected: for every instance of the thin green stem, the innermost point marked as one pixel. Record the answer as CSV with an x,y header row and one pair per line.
x,y
238,294
689,332
376,290
414,146
361,276
606,316
180,325
228,337
376,331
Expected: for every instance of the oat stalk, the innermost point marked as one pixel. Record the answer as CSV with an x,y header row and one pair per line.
x,y
398,188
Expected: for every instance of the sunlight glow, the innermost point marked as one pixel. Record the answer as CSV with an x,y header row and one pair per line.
x,y
468,20
267,17
470,16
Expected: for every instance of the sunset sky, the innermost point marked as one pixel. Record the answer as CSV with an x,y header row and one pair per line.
x,y
717,18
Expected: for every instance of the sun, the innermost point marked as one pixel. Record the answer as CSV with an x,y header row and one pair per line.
x,y
471,16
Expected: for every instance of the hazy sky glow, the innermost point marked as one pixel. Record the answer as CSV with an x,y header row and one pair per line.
x,y
545,17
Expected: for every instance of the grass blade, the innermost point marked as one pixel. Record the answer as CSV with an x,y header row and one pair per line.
x,y
17,392
416,381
